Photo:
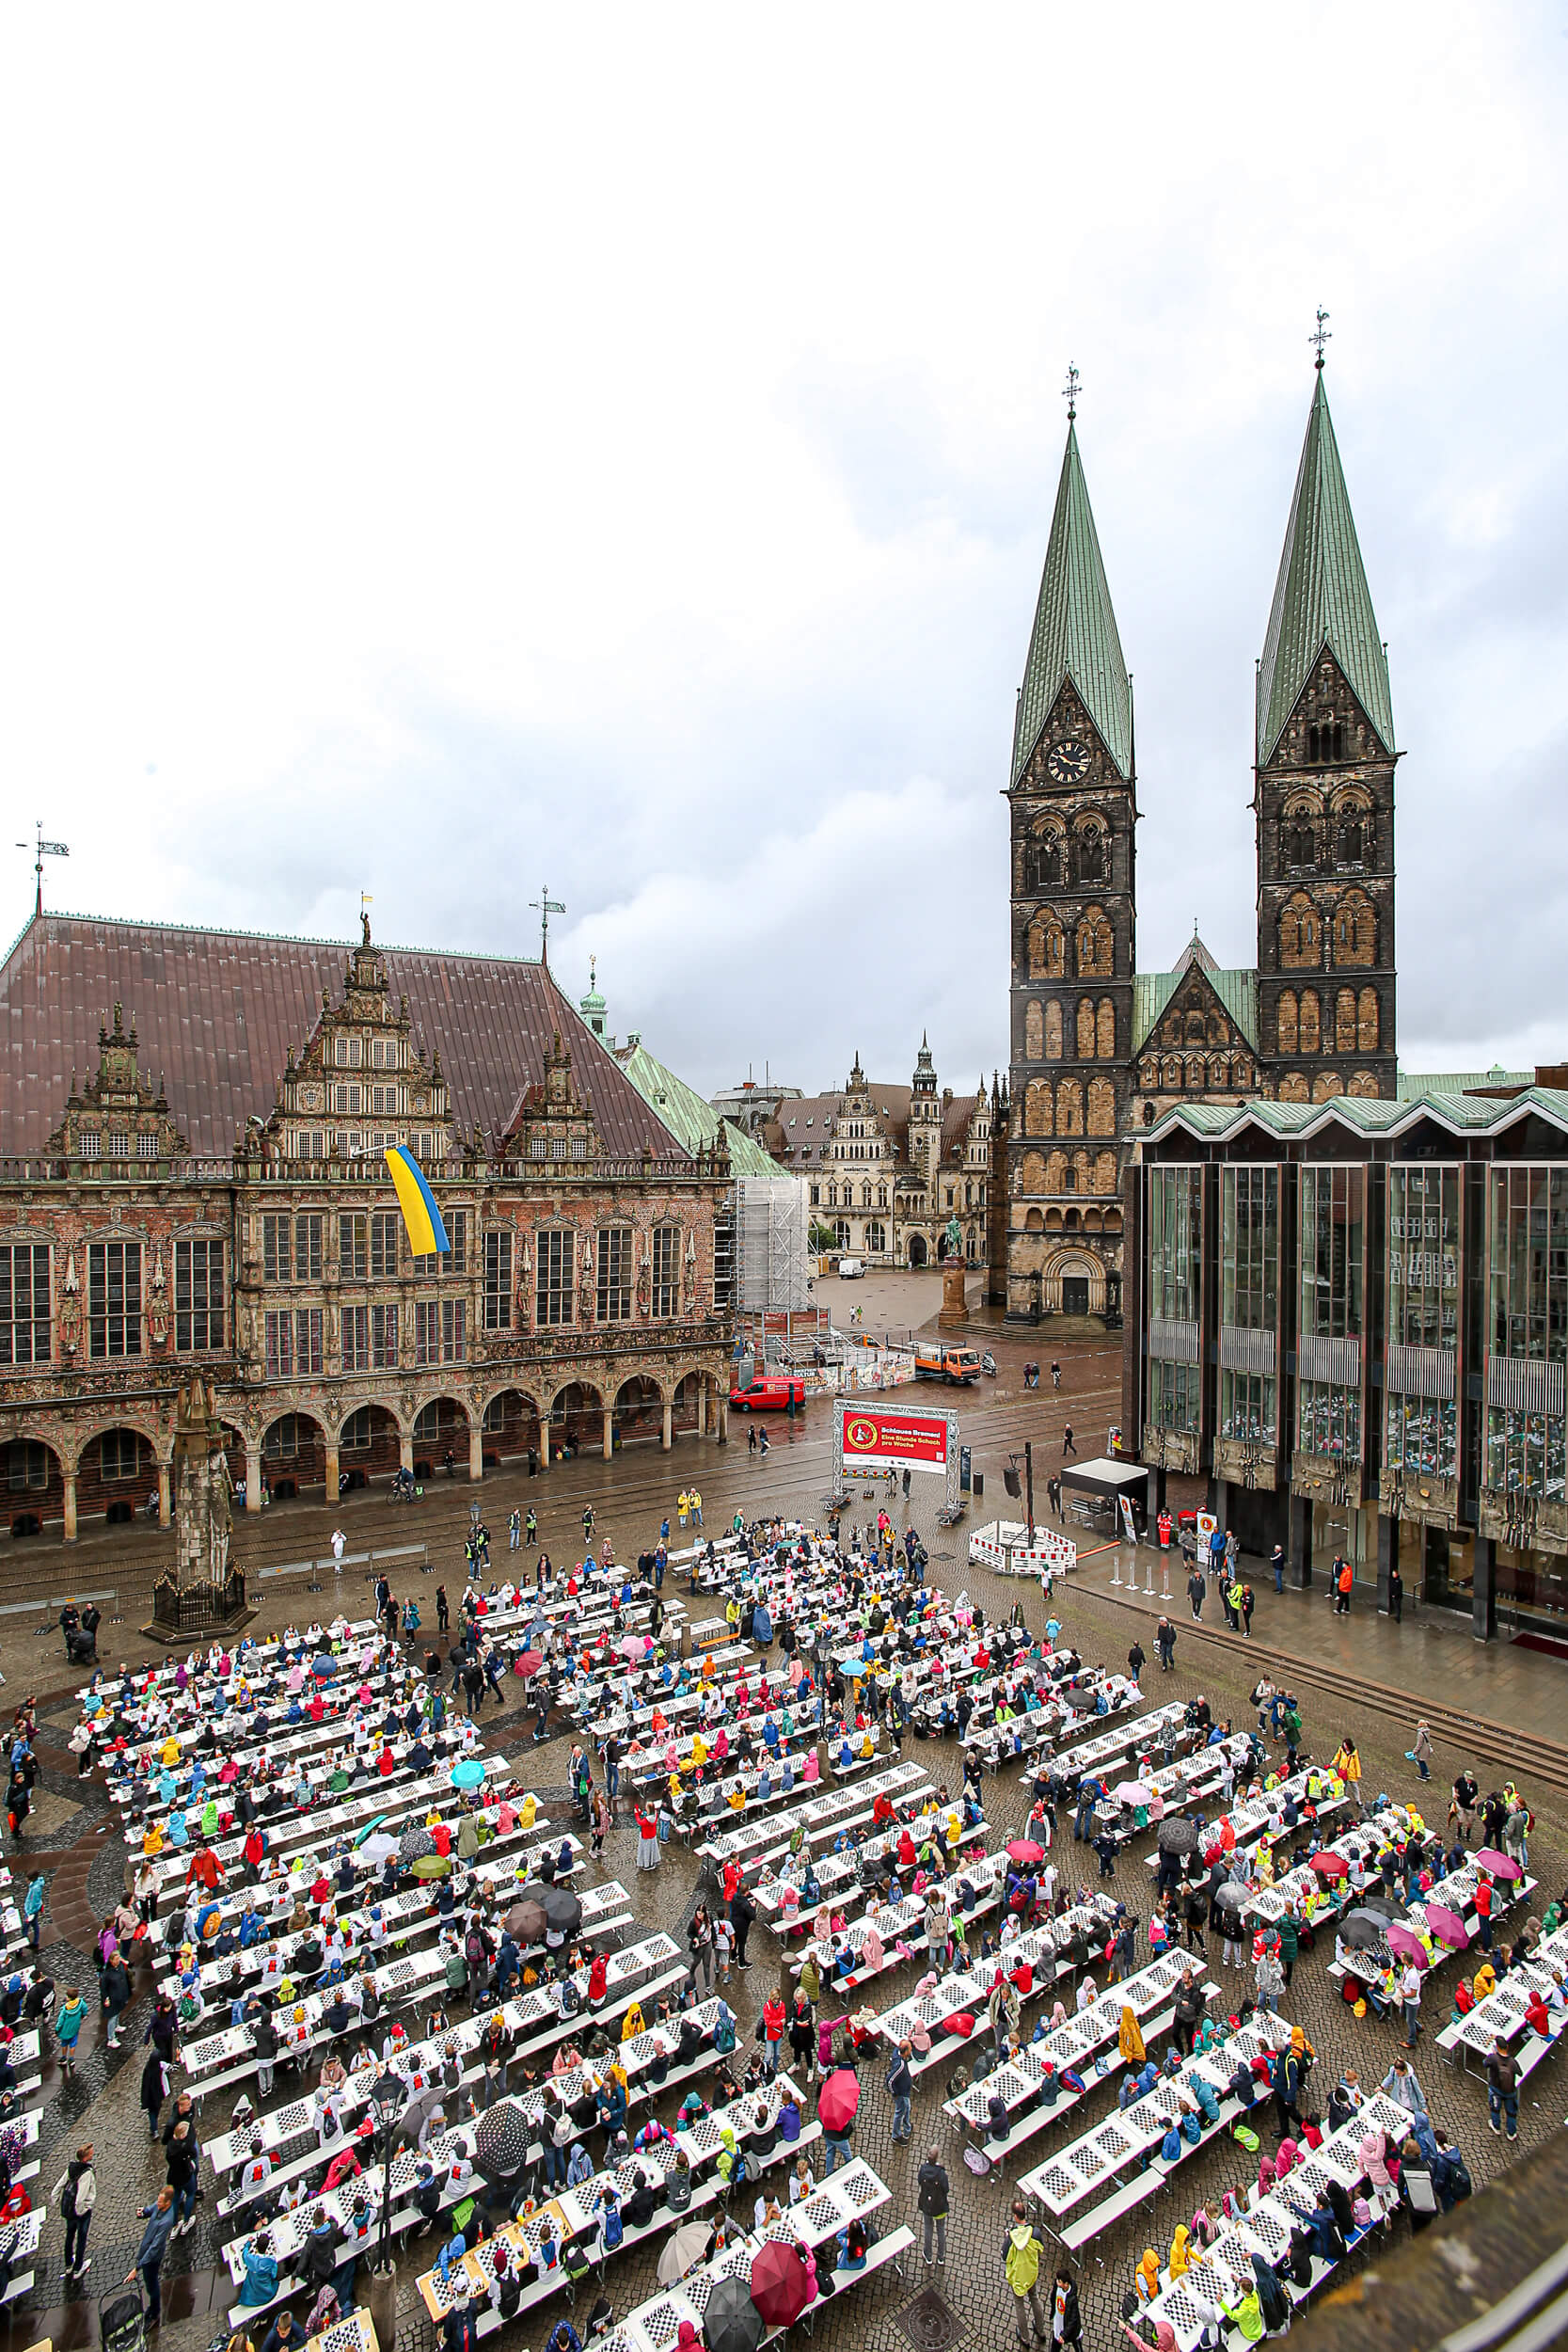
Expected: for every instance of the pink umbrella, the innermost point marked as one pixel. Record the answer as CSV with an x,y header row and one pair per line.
x,y
1025,1849
1406,1941
1330,1865
837,2100
1502,1866
529,1662
1448,1924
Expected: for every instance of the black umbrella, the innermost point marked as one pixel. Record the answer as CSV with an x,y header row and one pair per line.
x,y
1362,1932
527,1922
732,2322
414,1843
1177,1836
501,2138
562,1909
1380,1908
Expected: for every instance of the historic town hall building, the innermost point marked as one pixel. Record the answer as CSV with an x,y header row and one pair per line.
x,y
192,1180
1100,1049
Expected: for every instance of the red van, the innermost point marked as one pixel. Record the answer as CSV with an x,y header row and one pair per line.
x,y
770,1393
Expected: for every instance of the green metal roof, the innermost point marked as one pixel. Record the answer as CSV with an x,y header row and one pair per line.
x,y
1320,597
1411,1085
1075,630
689,1119
1237,991
1463,1113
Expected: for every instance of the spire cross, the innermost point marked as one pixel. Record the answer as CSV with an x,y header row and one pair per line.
x,y
1070,392
546,906
1321,337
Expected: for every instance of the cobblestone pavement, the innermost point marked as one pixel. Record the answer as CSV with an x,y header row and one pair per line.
x,y
102,2102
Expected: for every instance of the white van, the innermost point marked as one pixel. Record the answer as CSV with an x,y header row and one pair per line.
x,y
851,1269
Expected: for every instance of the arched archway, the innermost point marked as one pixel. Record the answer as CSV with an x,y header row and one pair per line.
x,y
117,1469
917,1249
577,1420
509,1427
440,1427
34,1485
293,1455
637,1416
695,1410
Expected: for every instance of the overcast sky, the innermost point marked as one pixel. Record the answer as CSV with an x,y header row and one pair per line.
x,y
447,451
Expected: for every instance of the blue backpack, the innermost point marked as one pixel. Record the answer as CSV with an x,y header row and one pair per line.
x,y
614,2228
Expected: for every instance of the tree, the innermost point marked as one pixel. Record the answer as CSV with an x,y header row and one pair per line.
x,y
821,1237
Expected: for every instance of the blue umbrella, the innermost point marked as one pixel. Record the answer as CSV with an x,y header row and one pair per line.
x,y
469,1774
369,1829
323,1669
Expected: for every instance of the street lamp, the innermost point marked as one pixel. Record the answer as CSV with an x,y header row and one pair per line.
x,y
387,2093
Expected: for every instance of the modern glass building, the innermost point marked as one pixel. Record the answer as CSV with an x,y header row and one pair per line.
x,y
1351,1318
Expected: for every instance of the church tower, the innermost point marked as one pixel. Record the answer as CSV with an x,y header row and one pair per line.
x,y
926,1122
1072,810
1324,800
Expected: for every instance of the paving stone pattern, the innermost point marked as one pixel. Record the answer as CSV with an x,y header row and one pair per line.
x,y
102,2103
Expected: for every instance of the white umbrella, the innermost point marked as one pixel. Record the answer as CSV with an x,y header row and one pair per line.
x,y
683,2248
377,1847
1133,1792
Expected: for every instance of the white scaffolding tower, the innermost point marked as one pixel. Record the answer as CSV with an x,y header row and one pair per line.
x,y
772,1260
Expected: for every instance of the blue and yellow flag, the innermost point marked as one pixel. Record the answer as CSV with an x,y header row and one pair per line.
x,y
421,1218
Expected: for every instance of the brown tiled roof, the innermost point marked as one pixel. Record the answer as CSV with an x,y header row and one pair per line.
x,y
956,1116
216,1012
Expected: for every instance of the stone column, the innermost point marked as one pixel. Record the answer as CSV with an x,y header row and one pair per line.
x,y
164,1505
1484,1593
701,1405
669,1426
333,1471
1159,1490
1300,1545
68,1519
253,1475
476,1451
723,1420
406,1451
608,1432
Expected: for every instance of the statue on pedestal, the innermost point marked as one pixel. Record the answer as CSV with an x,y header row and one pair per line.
x,y
204,1593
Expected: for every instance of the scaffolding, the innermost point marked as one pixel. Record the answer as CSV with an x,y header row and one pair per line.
x,y
772,1264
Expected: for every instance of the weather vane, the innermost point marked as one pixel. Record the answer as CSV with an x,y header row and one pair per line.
x,y
546,906
1070,392
42,849
1319,337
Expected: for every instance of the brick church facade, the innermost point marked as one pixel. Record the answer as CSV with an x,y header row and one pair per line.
x,y
1098,1049
211,1198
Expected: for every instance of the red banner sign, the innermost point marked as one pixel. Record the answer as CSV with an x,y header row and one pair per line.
x,y
918,1438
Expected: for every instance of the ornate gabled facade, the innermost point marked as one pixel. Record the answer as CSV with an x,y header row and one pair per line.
x,y
579,1303
887,1167
1099,1050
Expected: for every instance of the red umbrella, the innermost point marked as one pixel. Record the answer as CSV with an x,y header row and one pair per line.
x,y
531,1662
1330,1865
837,2100
1502,1866
1025,1849
780,2286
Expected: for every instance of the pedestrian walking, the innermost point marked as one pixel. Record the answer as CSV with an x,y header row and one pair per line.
x,y
76,2193
114,1995
933,2191
1277,1562
514,1531
1022,2258
1342,1583
339,1545
1502,2089
1196,1590
1421,1754
32,1907
150,2253
1395,1594
68,2028
1067,1446
155,2090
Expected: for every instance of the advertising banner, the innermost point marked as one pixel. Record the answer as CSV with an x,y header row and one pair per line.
x,y
875,1440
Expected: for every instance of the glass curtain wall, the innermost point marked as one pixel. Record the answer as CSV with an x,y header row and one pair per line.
x,y
1249,1300
1525,1431
1420,1437
1332,1235
1175,1296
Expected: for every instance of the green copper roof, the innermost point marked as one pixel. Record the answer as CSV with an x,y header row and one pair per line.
x,y
689,1119
1075,630
1236,990
1320,597
1460,1113
1411,1085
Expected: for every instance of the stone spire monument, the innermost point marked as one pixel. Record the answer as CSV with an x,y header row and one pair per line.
x,y
204,1592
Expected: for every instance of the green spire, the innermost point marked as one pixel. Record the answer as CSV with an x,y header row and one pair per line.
x,y
1075,630
1320,597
